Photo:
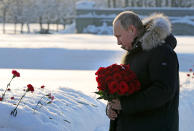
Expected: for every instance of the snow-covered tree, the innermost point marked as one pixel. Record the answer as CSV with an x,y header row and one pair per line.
x,y
5,5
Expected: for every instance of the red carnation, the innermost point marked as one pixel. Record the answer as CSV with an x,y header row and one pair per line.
x,y
12,98
115,81
100,71
100,81
1,99
123,88
132,76
108,72
15,73
42,86
52,98
109,79
190,70
30,88
188,75
113,87
117,76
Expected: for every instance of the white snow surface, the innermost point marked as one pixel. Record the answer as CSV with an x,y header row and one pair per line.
x,y
66,65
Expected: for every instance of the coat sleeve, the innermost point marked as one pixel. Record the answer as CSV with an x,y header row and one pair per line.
x,y
163,73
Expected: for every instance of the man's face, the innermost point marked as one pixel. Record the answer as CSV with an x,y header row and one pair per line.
x,y
124,37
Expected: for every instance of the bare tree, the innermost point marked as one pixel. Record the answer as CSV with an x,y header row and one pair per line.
x,y
166,3
158,3
109,3
174,3
114,3
16,11
5,8
139,3
145,3
132,3
126,3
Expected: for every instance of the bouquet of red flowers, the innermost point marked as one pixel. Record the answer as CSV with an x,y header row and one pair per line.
x,y
115,81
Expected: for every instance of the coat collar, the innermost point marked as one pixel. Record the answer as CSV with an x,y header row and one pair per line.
x,y
157,28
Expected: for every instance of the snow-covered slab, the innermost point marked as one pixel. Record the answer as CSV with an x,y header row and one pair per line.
x,y
70,111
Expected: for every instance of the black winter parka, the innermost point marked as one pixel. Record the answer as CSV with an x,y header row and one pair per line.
x,y
155,106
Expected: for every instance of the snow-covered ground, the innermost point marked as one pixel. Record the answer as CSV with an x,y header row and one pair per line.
x,y
66,65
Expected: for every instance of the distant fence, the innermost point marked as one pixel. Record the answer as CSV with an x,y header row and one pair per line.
x,y
182,18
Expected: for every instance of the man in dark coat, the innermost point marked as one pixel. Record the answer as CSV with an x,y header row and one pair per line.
x,y
149,44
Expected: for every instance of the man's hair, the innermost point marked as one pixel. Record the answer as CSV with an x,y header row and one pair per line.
x,y
127,18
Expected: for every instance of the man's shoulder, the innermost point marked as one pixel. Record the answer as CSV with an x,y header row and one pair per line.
x,y
163,50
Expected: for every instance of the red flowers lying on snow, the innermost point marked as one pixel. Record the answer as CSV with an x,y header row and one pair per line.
x,y
115,81
15,74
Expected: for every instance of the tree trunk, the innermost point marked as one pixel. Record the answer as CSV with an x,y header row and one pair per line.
x,y
174,3
132,3
15,24
64,23
64,26
108,3
145,3
181,3
126,3
114,3
166,3
57,24
48,25
139,3
28,26
22,26
40,22
4,19
158,3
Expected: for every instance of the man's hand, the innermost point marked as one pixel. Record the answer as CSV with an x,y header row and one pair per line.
x,y
110,112
115,104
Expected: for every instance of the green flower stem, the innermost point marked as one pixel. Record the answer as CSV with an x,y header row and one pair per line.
x,y
14,112
47,101
39,102
3,95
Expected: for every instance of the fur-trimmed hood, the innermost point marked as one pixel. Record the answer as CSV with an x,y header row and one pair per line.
x,y
157,28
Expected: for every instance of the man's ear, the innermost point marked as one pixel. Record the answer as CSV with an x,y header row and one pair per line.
x,y
132,29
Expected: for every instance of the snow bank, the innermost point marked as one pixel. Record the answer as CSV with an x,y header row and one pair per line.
x,y
70,111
